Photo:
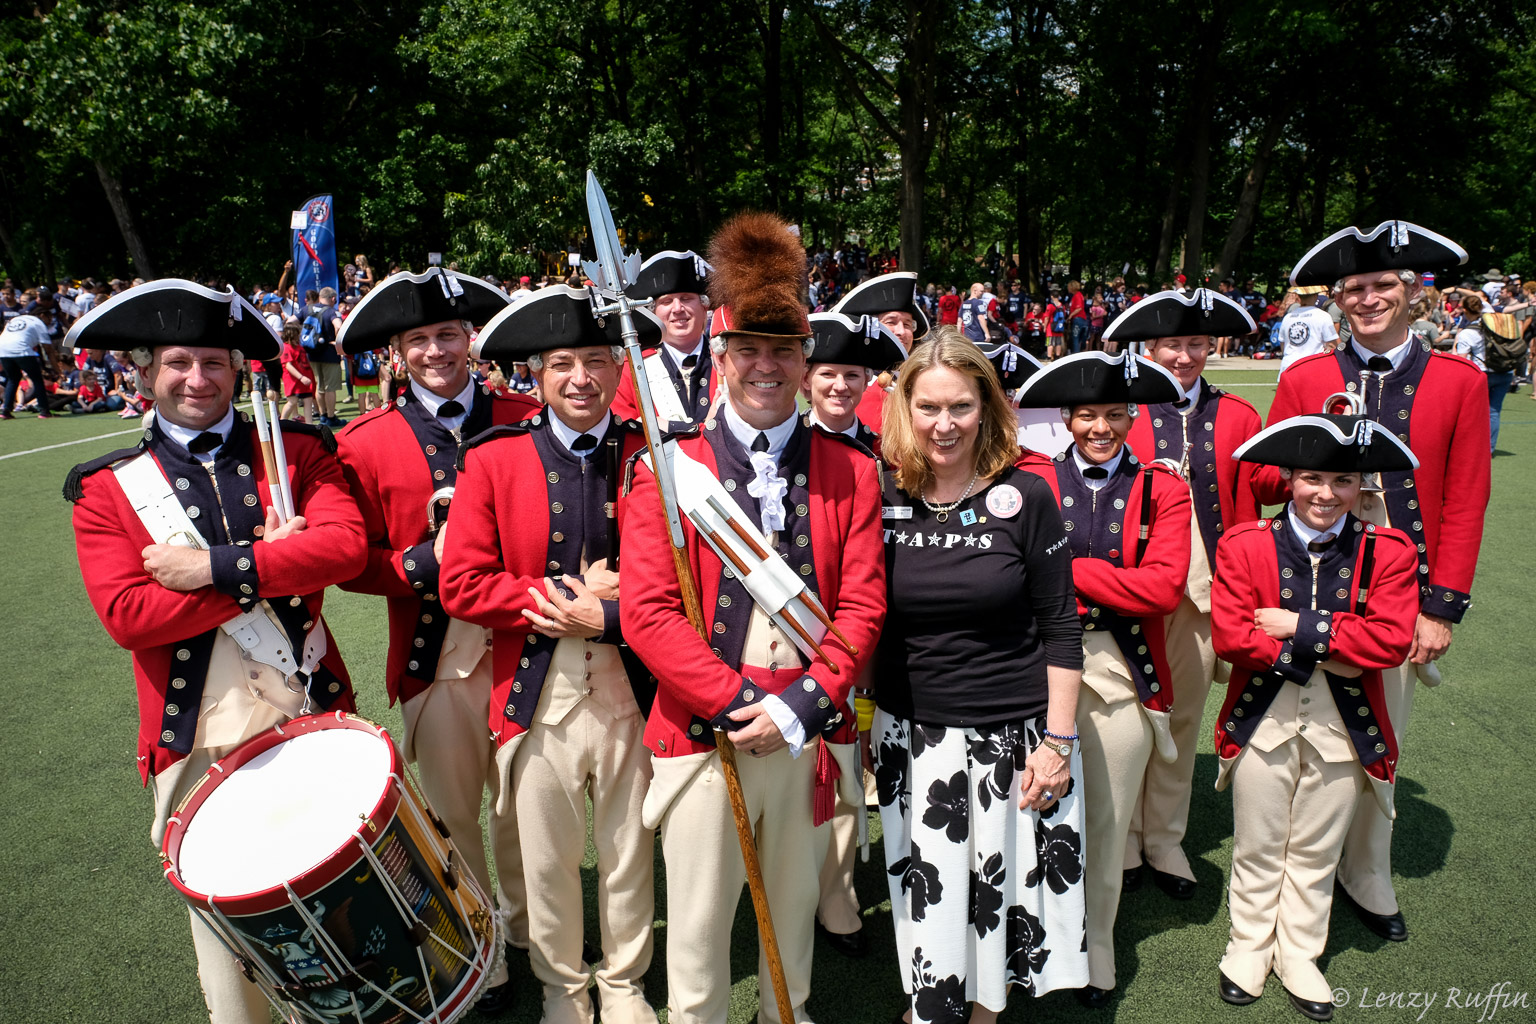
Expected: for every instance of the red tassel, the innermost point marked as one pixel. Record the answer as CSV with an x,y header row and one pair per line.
x,y
824,794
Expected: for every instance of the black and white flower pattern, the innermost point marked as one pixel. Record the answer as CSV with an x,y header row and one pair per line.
x,y
986,895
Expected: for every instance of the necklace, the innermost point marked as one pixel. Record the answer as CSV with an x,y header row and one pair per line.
x,y
941,512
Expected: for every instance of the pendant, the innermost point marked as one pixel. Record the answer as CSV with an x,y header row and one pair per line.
x,y
942,517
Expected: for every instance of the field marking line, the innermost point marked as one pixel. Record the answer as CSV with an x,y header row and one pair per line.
x,y
66,444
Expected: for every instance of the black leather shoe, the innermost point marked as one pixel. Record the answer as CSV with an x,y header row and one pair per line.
x,y
1389,926
1177,888
1131,880
495,1000
1233,993
1316,1011
1094,998
853,945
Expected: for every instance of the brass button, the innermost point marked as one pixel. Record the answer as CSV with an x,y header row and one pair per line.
x,y
172,710
419,642
1066,502
799,479
661,745
556,507
193,511
1362,712
719,627
557,537
1372,731
725,600
1114,527
426,619
245,588
183,655
802,509
1154,687
250,500
438,474
410,564
294,602
1119,503
1287,572
805,570
809,686
182,483
1141,649
823,703
335,687
553,478
243,470
413,665
1231,727
242,564
802,541
730,485
748,694
1162,444
178,683
431,449
166,736
1067,526
554,565
696,729
1381,748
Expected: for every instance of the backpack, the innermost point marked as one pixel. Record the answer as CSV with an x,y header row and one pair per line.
x,y
309,332
1504,351
1059,321
367,366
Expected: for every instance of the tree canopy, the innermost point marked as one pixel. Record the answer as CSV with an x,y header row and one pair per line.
x,y
1222,137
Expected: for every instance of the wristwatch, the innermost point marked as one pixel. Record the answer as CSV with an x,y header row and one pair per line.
x,y
1064,749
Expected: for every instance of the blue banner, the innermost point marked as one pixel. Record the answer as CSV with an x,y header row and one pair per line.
x,y
314,245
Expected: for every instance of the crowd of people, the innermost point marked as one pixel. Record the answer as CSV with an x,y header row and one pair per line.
x,y
1020,575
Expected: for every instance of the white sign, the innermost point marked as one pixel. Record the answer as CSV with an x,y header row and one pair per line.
x,y
298,220
434,259
574,259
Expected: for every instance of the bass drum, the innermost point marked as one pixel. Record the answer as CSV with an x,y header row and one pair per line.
x,y
313,858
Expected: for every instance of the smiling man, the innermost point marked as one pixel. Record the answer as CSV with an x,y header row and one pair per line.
x,y
817,501
1437,404
527,557
179,540
399,460
680,371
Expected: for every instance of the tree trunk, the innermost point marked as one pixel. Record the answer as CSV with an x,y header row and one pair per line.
x,y
46,251
915,83
13,259
1165,237
1248,200
1199,184
773,106
125,223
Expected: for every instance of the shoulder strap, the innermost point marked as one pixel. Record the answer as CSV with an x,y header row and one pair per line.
x,y
505,430
74,488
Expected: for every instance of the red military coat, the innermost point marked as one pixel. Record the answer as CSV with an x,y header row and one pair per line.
x,y
520,515
695,686
871,407
1440,402
1248,577
155,623
391,476
1232,421
1143,590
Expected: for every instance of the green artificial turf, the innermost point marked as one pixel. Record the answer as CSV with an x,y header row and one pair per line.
x,y
91,932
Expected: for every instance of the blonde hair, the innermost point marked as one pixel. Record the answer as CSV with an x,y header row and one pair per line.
x,y
997,445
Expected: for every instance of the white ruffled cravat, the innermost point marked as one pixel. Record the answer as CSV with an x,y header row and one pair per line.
x,y
769,489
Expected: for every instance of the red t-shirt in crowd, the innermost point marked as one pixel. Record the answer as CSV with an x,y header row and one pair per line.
x,y
949,309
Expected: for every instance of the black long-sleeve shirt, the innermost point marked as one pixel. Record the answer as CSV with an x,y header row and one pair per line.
x,y
977,606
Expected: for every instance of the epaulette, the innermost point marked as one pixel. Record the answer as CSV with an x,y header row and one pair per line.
x,y
839,436
320,430
505,430
74,488
1249,526
682,433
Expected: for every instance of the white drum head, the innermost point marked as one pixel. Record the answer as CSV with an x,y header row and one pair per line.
x,y
283,812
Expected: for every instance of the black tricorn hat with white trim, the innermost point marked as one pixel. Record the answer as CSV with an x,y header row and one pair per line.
x,y
173,311
668,272
1392,245
406,301
1333,444
1097,378
1171,315
854,341
1014,365
895,292
555,317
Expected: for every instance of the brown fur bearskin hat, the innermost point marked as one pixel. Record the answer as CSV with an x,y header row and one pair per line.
x,y
758,282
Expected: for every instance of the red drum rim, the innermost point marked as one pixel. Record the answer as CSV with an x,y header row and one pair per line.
x,y
318,875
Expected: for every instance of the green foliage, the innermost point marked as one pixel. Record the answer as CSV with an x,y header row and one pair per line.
x,y
1070,132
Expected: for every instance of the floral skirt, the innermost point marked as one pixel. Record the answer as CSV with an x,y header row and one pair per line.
x,y
985,895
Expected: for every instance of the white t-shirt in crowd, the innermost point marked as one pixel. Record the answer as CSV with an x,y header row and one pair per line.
x,y
1471,343
22,336
1304,331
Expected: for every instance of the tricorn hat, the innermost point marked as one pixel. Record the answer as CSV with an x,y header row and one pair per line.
x,y
1393,245
668,272
173,311
555,317
856,341
1097,378
758,281
1014,365
1333,444
895,292
407,301
1171,315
